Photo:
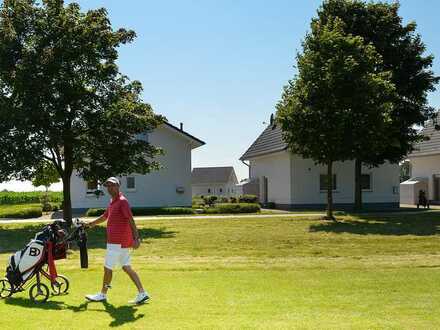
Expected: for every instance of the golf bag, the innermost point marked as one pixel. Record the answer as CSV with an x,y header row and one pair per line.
x,y
38,257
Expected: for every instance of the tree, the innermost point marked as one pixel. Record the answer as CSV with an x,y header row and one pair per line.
x,y
63,99
45,174
405,170
320,107
403,55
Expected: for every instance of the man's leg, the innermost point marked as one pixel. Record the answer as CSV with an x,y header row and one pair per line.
x,y
110,259
107,280
134,277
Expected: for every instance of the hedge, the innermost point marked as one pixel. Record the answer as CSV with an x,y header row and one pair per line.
x,y
22,212
248,199
146,211
233,208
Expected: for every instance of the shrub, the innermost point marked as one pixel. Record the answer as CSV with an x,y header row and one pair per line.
x,y
210,200
197,202
233,208
47,207
248,199
146,211
270,205
95,212
162,210
224,200
56,206
233,200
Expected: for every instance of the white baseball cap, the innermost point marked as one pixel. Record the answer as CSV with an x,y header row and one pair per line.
x,y
112,179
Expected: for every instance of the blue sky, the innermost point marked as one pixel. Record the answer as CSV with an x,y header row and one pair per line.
x,y
219,66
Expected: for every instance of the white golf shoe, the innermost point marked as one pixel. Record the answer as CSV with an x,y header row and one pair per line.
x,y
140,298
96,297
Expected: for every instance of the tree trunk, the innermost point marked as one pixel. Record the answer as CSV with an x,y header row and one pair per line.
x,y
330,191
357,185
67,202
68,170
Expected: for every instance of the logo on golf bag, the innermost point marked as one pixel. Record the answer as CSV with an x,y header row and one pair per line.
x,y
34,252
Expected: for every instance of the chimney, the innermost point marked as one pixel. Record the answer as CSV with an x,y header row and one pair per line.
x,y
271,119
181,126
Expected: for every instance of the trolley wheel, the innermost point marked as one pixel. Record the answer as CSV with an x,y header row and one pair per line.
x,y
6,289
39,292
60,286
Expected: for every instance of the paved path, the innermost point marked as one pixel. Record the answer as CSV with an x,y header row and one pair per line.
x,y
145,218
275,215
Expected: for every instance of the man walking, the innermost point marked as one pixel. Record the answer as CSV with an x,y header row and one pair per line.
x,y
121,235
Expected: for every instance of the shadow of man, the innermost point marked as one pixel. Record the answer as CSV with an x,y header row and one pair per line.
x,y
122,315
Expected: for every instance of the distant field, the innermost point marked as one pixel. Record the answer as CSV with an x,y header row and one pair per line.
x,y
10,197
369,272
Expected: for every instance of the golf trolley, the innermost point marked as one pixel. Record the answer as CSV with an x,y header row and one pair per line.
x,y
28,267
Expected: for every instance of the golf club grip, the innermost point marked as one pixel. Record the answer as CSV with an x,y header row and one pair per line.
x,y
84,257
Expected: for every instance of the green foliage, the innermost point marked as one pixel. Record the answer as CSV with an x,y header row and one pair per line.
x,y
146,211
233,208
405,170
198,202
45,174
248,199
95,212
403,54
63,99
271,205
21,211
210,200
338,102
11,197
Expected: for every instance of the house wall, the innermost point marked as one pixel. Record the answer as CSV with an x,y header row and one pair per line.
x,y
306,188
294,182
426,167
228,189
156,189
276,168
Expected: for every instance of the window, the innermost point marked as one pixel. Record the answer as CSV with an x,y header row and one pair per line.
x,y
142,136
323,182
92,185
366,181
209,190
131,183
221,190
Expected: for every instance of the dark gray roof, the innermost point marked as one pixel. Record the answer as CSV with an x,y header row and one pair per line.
x,y
431,146
200,142
201,175
271,140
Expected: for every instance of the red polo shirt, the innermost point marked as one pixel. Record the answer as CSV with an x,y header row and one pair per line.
x,y
118,215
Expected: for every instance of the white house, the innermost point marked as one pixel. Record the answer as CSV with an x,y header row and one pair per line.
x,y
290,181
169,186
219,181
425,165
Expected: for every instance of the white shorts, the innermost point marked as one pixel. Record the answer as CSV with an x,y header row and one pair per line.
x,y
116,255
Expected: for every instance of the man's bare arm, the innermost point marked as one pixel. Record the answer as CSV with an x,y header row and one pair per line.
x,y
134,229
135,233
97,221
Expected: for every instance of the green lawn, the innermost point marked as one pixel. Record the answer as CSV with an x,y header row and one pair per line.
x,y
278,273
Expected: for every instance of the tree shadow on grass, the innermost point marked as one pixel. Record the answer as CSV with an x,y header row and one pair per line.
x,y
426,224
16,237
121,315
